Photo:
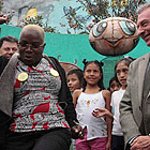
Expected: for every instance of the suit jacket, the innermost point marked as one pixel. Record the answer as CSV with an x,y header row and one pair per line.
x,y
132,111
3,63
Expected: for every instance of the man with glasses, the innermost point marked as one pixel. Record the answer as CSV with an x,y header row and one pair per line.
x,y
35,99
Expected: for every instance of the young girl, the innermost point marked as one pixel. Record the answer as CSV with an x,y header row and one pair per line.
x,y
74,79
114,85
121,71
97,130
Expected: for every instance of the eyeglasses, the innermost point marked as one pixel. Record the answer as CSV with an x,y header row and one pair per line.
x,y
32,45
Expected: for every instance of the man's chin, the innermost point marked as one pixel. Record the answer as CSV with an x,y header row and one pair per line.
x,y
7,57
28,62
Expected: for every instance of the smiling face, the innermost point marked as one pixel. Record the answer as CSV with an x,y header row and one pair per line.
x,y
92,74
31,46
8,49
73,82
143,25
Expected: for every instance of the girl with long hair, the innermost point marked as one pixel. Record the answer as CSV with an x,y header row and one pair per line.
x,y
87,101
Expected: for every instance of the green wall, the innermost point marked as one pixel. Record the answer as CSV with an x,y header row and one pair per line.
x,y
74,48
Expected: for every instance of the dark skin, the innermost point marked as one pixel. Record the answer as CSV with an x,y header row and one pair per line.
x,y
31,56
28,54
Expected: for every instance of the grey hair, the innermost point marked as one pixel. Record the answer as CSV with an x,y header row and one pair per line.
x,y
33,27
142,7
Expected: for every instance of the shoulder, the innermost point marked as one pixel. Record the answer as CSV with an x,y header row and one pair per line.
x,y
55,63
115,93
3,63
140,59
3,59
53,59
76,95
107,98
77,92
106,93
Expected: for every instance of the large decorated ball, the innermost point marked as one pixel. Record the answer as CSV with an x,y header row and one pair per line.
x,y
114,36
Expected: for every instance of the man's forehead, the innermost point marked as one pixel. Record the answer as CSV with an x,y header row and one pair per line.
x,y
145,12
33,33
9,43
144,15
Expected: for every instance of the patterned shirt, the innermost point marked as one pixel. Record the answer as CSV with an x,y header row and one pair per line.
x,y
36,98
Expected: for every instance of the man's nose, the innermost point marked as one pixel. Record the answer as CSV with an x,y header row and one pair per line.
x,y
140,31
11,51
29,47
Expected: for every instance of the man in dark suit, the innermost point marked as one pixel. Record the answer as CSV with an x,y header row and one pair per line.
x,y
8,46
3,63
135,105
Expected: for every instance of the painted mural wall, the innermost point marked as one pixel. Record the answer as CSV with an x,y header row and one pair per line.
x,y
65,47
74,48
52,11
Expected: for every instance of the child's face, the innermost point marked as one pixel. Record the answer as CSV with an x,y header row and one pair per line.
x,y
114,86
92,74
73,82
122,73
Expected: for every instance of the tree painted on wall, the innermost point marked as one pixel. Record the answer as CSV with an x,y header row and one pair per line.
x,y
82,17
38,20
96,10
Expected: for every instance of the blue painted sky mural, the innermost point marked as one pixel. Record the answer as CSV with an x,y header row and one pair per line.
x,y
52,11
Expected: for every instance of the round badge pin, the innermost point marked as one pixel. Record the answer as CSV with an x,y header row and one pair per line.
x,y
53,72
23,76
